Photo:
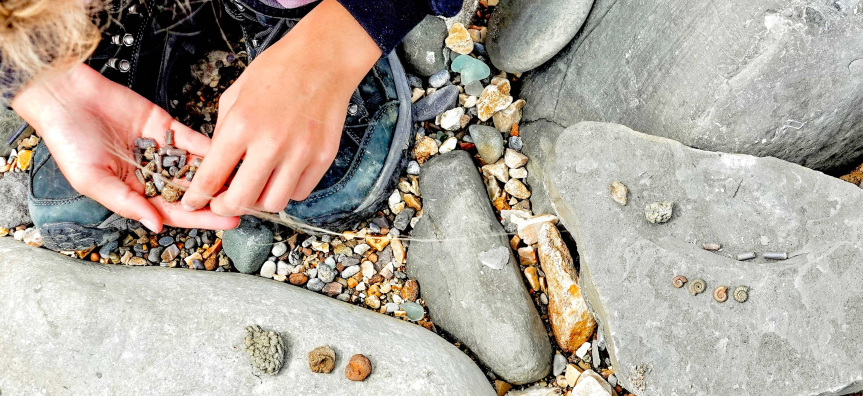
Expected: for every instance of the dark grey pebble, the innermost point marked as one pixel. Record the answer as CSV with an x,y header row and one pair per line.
x,y
198,265
316,285
403,219
138,248
374,228
516,143
109,247
155,255
191,243
414,81
166,241
438,102
207,237
193,233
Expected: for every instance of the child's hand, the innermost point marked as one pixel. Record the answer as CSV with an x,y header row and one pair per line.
x,y
284,116
89,123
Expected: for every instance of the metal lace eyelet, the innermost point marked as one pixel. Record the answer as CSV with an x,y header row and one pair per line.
x,y
120,64
353,109
126,39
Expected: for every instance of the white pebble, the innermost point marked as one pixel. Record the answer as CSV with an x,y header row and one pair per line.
x,y
268,270
279,249
368,269
448,145
581,352
282,268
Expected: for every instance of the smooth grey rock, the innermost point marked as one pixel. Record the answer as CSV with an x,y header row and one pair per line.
x,y
488,141
538,144
13,200
438,102
248,245
95,329
488,310
423,46
558,364
799,332
774,78
523,34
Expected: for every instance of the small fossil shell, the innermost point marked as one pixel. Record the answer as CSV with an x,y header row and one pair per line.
x,y
741,294
720,294
697,286
679,281
618,192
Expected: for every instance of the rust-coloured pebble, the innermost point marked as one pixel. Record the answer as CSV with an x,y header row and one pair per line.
x,y
411,290
298,279
359,368
322,359
94,257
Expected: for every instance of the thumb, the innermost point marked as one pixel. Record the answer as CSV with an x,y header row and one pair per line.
x,y
119,197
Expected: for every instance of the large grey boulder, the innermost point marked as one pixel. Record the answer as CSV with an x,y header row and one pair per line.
x,y
799,332
13,200
248,245
457,247
523,34
422,48
774,78
78,328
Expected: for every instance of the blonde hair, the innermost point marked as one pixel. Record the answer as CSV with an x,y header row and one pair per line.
x,y
38,35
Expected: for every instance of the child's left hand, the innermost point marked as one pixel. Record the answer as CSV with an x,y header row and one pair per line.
x,y
284,116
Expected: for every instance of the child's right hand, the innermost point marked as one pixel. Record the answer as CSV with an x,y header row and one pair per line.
x,y
89,124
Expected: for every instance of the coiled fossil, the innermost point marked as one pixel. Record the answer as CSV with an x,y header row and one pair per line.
x,y
697,286
741,294
720,294
679,281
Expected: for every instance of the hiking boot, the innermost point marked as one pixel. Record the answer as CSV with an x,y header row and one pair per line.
x,y
136,52
376,135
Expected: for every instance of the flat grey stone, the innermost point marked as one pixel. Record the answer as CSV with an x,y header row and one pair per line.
x,y
438,102
539,138
248,245
799,332
488,310
488,141
523,34
79,328
13,200
422,48
774,78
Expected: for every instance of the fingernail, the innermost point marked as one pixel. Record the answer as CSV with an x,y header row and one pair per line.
x,y
150,225
187,207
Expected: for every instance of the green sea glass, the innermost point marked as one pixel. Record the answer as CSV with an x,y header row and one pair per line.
x,y
471,69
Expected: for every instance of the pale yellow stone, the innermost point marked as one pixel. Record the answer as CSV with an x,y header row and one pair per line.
x,y
459,39
491,101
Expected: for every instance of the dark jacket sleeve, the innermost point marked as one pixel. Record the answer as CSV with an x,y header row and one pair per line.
x,y
389,21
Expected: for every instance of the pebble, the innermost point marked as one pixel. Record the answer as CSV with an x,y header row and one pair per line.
x,y
516,143
492,100
425,148
448,145
558,364
155,255
497,170
413,311
391,307
543,298
326,273
517,189
450,120
373,302
350,271
659,212
368,269
488,141
436,103
514,159
322,359
410,290
268,269
282,268
279,249
519,173
170,253
403,219
297,279
413,168
470,68
166,241
459,40
198,265
332,289
358,368
511,115
439,79
109,247
474,88
315,285
581,352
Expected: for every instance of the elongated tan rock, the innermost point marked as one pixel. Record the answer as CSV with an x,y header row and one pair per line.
x,y
572,322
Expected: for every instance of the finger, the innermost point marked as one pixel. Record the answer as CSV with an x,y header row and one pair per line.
x,y
245,188
175,216
313,175
211,176
279,189
227,100
119,198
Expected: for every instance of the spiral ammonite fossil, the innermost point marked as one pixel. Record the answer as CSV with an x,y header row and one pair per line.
x,y
741,294
720,294
679,281
697,286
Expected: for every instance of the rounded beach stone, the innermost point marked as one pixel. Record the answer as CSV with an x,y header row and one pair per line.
x,y
358,368
322,359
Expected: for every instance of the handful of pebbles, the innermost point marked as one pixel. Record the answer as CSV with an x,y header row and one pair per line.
x,y
160,168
